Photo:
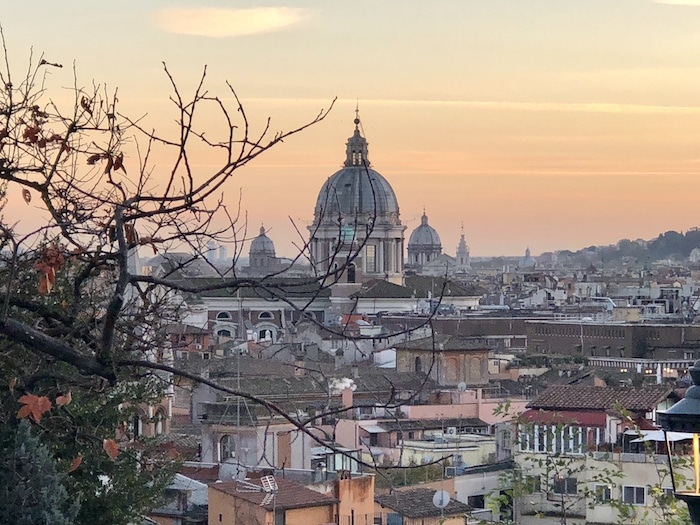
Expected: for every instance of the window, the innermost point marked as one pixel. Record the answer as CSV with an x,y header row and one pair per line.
x,y
265,315
160,422
227,448
351,273
476,502
223,315
634,495
602,493
533,484
371,258
224,333
417,365
564,485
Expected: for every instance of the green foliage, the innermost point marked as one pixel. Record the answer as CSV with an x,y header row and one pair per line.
x,y
109,491
32,487
389,478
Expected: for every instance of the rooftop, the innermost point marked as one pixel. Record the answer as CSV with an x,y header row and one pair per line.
x,y
418,503
290,494
577,397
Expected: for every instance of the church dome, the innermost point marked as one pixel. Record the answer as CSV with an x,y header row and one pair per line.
x,y
424,235
528,262
356,192
262,245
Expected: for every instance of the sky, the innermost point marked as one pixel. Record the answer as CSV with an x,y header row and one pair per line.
x,y
553,124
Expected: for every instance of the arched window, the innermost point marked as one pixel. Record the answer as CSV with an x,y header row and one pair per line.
x,y
159,426
223,315
351,272
418,365
227,448
264,334
224,333
137,425
265,315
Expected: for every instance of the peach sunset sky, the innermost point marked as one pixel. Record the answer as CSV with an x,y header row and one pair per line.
x,y
550,123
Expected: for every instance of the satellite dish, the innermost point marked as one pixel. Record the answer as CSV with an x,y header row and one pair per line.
x,y
462,386
441,499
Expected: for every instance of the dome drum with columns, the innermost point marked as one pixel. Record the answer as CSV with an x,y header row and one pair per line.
x,y
357,217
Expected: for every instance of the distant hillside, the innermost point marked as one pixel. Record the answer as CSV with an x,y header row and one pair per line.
x,y
669,245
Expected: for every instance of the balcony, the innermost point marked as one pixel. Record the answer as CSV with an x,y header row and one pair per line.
x,y
630,457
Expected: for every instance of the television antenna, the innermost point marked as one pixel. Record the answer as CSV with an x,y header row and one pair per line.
x,y
268,486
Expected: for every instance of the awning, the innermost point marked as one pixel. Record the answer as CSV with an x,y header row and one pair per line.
x,y
373,429
658,435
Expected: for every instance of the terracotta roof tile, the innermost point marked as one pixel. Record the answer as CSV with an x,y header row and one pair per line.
x,y
418,503
576,397
290,494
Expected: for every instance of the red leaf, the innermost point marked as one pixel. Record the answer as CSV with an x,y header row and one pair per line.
x,y
26,195
75,464
34,406
64,400
111,448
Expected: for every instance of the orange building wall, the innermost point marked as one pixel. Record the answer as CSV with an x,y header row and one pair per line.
x,y
356,494
224,509
310,516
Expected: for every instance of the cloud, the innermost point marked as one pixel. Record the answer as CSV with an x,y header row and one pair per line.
x,y
223,23
560,107
678,2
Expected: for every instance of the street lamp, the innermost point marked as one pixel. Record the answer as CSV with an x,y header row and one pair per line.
x,y
684,416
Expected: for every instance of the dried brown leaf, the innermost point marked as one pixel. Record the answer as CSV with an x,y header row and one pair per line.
x,y
75,464
111,448
64,400
34,406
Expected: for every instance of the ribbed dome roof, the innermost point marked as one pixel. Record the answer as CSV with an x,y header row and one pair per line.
x,y
262,244
356,190
424,235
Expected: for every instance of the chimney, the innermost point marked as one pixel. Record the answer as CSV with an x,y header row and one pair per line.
x,y
355,371
339,358
347,397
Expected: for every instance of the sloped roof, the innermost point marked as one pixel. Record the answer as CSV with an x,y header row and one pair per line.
x,y
576,397
420,285
430,424
418,503
379,288
265,287
181,329
442,342
378,381
290,494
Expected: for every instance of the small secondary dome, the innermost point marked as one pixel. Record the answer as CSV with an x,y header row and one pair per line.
x,y
262,244
423,244
424,235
